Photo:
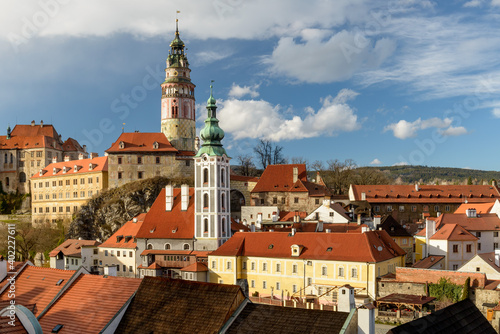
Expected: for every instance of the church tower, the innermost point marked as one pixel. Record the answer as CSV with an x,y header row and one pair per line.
x,y
178,121
212,189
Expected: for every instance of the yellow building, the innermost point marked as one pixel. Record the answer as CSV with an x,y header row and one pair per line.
x,y
60,189
298,264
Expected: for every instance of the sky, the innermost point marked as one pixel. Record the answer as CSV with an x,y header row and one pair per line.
x,y
380,82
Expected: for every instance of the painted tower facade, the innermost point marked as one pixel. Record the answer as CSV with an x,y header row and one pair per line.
x,y
177,99
212,188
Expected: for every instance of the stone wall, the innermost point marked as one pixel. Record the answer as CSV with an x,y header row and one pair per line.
x,y
418,275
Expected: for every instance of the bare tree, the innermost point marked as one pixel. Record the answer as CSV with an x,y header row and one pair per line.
x,y
339,175
246,165
299,160
269,154
370,176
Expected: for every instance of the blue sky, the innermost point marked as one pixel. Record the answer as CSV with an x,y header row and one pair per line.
x,y
382,83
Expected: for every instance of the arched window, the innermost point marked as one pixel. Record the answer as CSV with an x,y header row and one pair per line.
x,y
222,176
205,225
205,201
167,246
223,201
5,160
11,158
7,181
22,177
205,175
223,226
150,246
186,246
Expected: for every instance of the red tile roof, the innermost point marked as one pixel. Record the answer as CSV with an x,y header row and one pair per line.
x,y
71,145
141,142
27,130
490,259
196,267
20,142
89,304
481,208
99,164
280,178
453,232
287,216
166,252
484,222
238,226
7,328
72,247
37,285
175,224
124,237
373,246
426,193
428,262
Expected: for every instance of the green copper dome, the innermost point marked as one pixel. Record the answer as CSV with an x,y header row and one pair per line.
x,y
211,134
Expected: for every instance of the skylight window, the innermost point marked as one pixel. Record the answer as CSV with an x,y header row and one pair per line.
x,y
59,282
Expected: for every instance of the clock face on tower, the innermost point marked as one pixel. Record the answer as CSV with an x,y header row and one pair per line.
x,y
175,73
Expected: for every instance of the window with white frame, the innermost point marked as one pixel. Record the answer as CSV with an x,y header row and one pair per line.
x,y
228,265
278,286
264,266
294,269
213,264
278,267
354,272
324,271
244,265
294,288
252,283
252,266
264,285
341,271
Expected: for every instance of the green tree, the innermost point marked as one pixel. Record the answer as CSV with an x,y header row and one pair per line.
x,y
465,291
469,181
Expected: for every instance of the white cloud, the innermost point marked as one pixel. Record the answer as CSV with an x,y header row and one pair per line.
x,y
238,92
336,59
495,2
260,119
473,3
402,163
404,129
376,162
496,112
207,57
454,131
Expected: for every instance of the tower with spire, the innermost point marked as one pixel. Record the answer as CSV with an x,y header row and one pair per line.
x,y
178,118
212,188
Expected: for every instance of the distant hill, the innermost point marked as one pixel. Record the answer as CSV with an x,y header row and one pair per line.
x,y
433,175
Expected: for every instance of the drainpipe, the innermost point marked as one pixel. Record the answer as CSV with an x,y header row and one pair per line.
x,y
367,277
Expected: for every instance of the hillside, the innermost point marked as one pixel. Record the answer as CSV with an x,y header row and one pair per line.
x,y
106,213
431,175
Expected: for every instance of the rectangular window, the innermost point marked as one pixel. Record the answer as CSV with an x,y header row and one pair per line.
x,y
118,268
124,268
261,201
46,184
130,269
67,209
376,208
213,264
478,246
82,181
60,209
296,200
130,253
97,179
341,272
157,159
294,288
478,234
67,195
75,182
244,265
139,160
389,208
264,285
278,286
455,248
275,200
119,175
264,266
283,200
188,163
54,196
89,180
106,252
82,193
495,234
495,245
75,208
117,253
294,269
54,183
112,253
404,241
324,271
253,266
228,265
413,208
455,267
252,283
139,175
401,208
67,182
60,183
316,201
119,160
354,272
309,281
447,208
278,267
436,208
468,248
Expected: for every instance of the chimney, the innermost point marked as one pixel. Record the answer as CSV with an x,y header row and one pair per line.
x,y
497,258
85,148
54,159
169,197
417,188
110,271
326,203
363,196
494,183
376,220
134,220
345,299
80,156
366,319
94,155
319,180
295,174
184,197
328,230
365,229
66,158
471,213
32,123
41,123
294,230
252,228
359,219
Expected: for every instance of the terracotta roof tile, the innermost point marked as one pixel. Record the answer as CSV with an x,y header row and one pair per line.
x,y
83,166
72,247
372,246
426,193
279,178
141,142
124,237
481,208
490,259
89,304
196,267
428,262
179,306
20,142
453,232
175,224
27,130
287,216
483,222
7,328
71,145
37,285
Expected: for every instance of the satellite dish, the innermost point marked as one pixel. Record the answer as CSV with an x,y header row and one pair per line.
x,y
379,248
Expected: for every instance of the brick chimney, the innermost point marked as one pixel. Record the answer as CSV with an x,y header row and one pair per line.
x,y
295,174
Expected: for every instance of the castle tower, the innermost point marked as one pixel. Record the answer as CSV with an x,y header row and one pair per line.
x,y
178,121
212,189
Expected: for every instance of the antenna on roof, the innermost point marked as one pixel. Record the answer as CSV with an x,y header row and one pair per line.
x,y
123,127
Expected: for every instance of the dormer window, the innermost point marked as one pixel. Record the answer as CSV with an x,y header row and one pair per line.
x,y
121,145
41,172
156,145
90,166
75,168
296,249
54,170
64,170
